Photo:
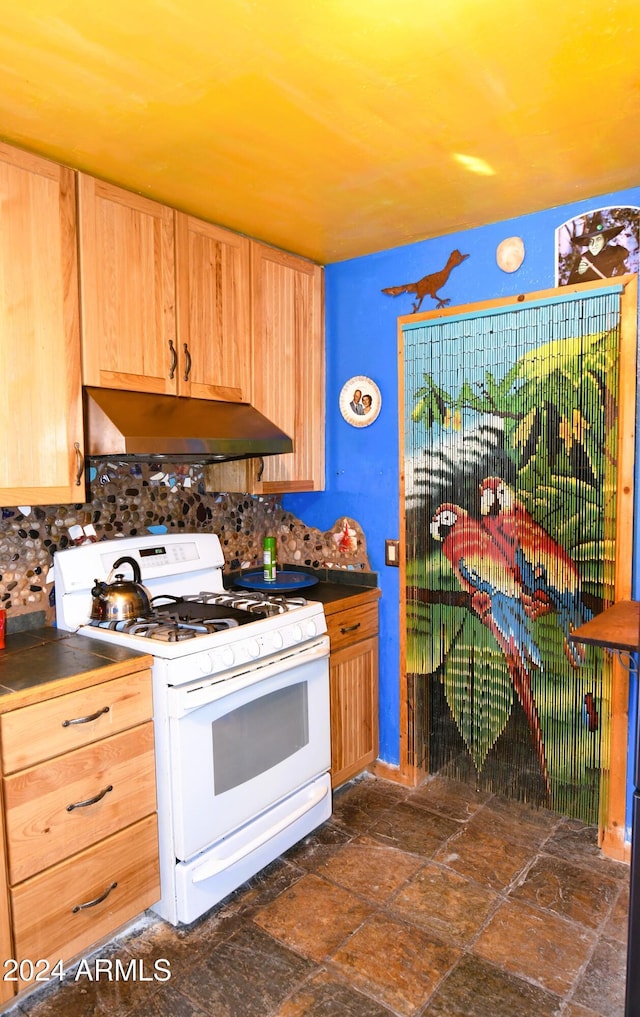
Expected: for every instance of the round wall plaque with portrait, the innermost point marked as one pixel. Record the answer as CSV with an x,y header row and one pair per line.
x,y
360,401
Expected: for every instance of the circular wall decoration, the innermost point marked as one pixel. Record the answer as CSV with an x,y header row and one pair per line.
x,y
510,254
360,401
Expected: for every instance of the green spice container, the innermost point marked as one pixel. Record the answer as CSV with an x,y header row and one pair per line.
x,y
269,559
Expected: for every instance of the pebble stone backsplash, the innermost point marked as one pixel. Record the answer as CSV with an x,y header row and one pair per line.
x,y
137,498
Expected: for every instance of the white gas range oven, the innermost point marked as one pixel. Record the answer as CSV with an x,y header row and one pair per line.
x,y
241,709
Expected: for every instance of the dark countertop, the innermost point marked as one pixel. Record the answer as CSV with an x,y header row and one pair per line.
x,y
37,663
333,584
331,593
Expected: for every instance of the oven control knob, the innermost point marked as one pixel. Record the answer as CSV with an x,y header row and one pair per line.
x,y
277,640
205,665
296,632
227,656
253,648
310,628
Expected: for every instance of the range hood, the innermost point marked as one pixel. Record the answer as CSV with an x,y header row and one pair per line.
x,y
143,426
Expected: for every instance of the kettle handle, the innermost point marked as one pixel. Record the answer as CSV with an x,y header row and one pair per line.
x,y
137,576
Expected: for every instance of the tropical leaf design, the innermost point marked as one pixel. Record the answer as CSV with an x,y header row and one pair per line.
x,y
432,629
432,404
478,688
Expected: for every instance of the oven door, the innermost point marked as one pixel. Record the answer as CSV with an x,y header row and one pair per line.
x,y
240,746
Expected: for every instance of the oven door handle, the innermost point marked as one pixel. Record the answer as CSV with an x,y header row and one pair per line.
x,y
218,865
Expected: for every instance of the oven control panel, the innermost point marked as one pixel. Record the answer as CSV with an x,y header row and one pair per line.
x,y
247,651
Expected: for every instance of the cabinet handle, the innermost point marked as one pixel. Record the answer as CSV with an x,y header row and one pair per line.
x,y
85,720
92,903
174,359
79,463
187,359
350,628
90,801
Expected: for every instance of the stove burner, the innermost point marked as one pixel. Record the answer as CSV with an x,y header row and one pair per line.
x,y
181,618
170,629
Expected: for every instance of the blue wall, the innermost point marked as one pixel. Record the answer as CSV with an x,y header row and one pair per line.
x,y
361,328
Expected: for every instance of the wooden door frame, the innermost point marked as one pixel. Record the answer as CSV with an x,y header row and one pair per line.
x,y
613,818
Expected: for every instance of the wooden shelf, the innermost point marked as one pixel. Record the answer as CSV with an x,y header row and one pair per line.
x,y
617,628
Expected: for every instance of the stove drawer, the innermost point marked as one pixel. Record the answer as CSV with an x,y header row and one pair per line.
x,y
75,800
65,910
43,730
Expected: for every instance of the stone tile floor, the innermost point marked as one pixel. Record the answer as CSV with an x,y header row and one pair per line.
x,y
438,901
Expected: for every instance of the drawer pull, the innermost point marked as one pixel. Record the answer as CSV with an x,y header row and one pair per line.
x,y
90,801
85,720
92,903
350,628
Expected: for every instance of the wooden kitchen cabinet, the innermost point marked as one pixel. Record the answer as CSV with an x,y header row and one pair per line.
x,y
214,311
127,289
288,366
80,820
40,378
7,989
352,625
165,298
288,375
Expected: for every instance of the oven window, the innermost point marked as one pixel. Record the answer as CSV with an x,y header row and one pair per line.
x,y
251,739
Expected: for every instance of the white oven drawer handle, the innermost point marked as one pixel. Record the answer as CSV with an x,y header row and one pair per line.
x,y
220,864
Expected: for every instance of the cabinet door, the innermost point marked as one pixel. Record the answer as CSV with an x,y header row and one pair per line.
x,y
127,290
354,709
288,368
213,294
40,384
7,989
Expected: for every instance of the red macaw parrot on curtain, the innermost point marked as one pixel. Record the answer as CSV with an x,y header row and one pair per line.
x,y
484,571
547,574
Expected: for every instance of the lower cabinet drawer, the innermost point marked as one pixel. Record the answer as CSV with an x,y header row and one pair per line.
x,y
63,911
68,803
47,729
345,627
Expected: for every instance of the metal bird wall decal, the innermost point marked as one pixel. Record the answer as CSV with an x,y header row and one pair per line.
x,y
429,284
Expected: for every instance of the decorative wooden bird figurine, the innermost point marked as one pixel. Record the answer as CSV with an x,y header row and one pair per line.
x,y
547,574
485,573
429,284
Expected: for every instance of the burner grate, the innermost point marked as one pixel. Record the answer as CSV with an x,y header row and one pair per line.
x,y
253,601
169,629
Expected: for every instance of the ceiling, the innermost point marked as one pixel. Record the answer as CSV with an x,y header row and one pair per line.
x,y
332,128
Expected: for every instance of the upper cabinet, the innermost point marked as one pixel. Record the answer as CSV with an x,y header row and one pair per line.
x,y
165,298
40,382
127,289
287,294
214,324
288,364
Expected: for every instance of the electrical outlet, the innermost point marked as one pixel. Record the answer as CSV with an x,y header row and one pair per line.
x,y
392,552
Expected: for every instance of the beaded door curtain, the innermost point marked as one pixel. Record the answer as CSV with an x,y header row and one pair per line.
x,y
510,458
